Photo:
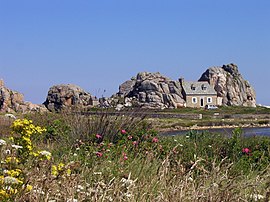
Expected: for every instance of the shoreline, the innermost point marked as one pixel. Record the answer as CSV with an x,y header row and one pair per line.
x,y
214,127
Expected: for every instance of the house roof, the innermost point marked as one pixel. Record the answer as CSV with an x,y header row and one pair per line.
x,y
198,88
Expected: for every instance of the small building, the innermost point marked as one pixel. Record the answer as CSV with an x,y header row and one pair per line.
x,y
198,94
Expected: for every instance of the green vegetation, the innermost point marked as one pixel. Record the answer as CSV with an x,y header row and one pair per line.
x,y
71,157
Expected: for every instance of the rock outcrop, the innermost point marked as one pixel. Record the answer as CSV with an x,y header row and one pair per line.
x,y
13,101
68,95
231,87
151,90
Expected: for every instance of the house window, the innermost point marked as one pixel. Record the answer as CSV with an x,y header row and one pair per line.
x,y
193,87
203,87
194,100
209,100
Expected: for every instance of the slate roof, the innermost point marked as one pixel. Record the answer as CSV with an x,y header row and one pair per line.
x,y
198,88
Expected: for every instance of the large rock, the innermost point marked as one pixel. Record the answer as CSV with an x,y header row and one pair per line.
x,y
68,95
231,87
151,90
13,101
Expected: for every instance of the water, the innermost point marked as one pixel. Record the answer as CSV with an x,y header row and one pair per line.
x,y
227,131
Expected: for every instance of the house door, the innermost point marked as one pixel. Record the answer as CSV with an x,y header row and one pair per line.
x,y
202,102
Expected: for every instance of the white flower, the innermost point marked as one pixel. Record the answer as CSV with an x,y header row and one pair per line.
x,y
8,152
39,191
72,200
16,146
11,180
256,197
10,116
80,187
45,153
2,142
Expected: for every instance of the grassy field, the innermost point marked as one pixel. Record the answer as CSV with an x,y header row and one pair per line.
x,y
69,157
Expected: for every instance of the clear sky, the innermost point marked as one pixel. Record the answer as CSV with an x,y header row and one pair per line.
x,y
98,44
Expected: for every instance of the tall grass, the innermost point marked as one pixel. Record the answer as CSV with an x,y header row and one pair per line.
x,y
121,158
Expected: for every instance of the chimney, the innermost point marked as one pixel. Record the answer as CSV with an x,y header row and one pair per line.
x,y
181,80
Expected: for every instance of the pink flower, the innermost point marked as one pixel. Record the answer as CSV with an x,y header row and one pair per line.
x,y
123,132
155,140
130,137
135,143
246,150
99,154
125,156
98,136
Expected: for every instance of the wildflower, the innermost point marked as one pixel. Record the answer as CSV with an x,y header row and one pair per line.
x,y
29,187
54,170
68,172
155,140
12,160
8,152
11,180
3,194
2,142
60,166
98,136
80,187
130,137
13,173
135,143
123,132
257,197
125,156
46,154
99,154
16,146
246,151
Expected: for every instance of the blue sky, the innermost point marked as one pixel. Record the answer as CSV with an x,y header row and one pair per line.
x,y
98,44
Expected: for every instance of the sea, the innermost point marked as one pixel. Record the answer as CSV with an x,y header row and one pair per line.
x,y
256,131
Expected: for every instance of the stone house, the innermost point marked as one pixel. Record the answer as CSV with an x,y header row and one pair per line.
x,y
198,94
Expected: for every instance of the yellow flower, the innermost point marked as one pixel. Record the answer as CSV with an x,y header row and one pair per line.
x,y
1,179
60,166
12,160
3,194
54,170
68,172
14,173
35,154
29,187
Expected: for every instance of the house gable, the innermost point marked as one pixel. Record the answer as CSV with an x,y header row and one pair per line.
x,y
199,94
